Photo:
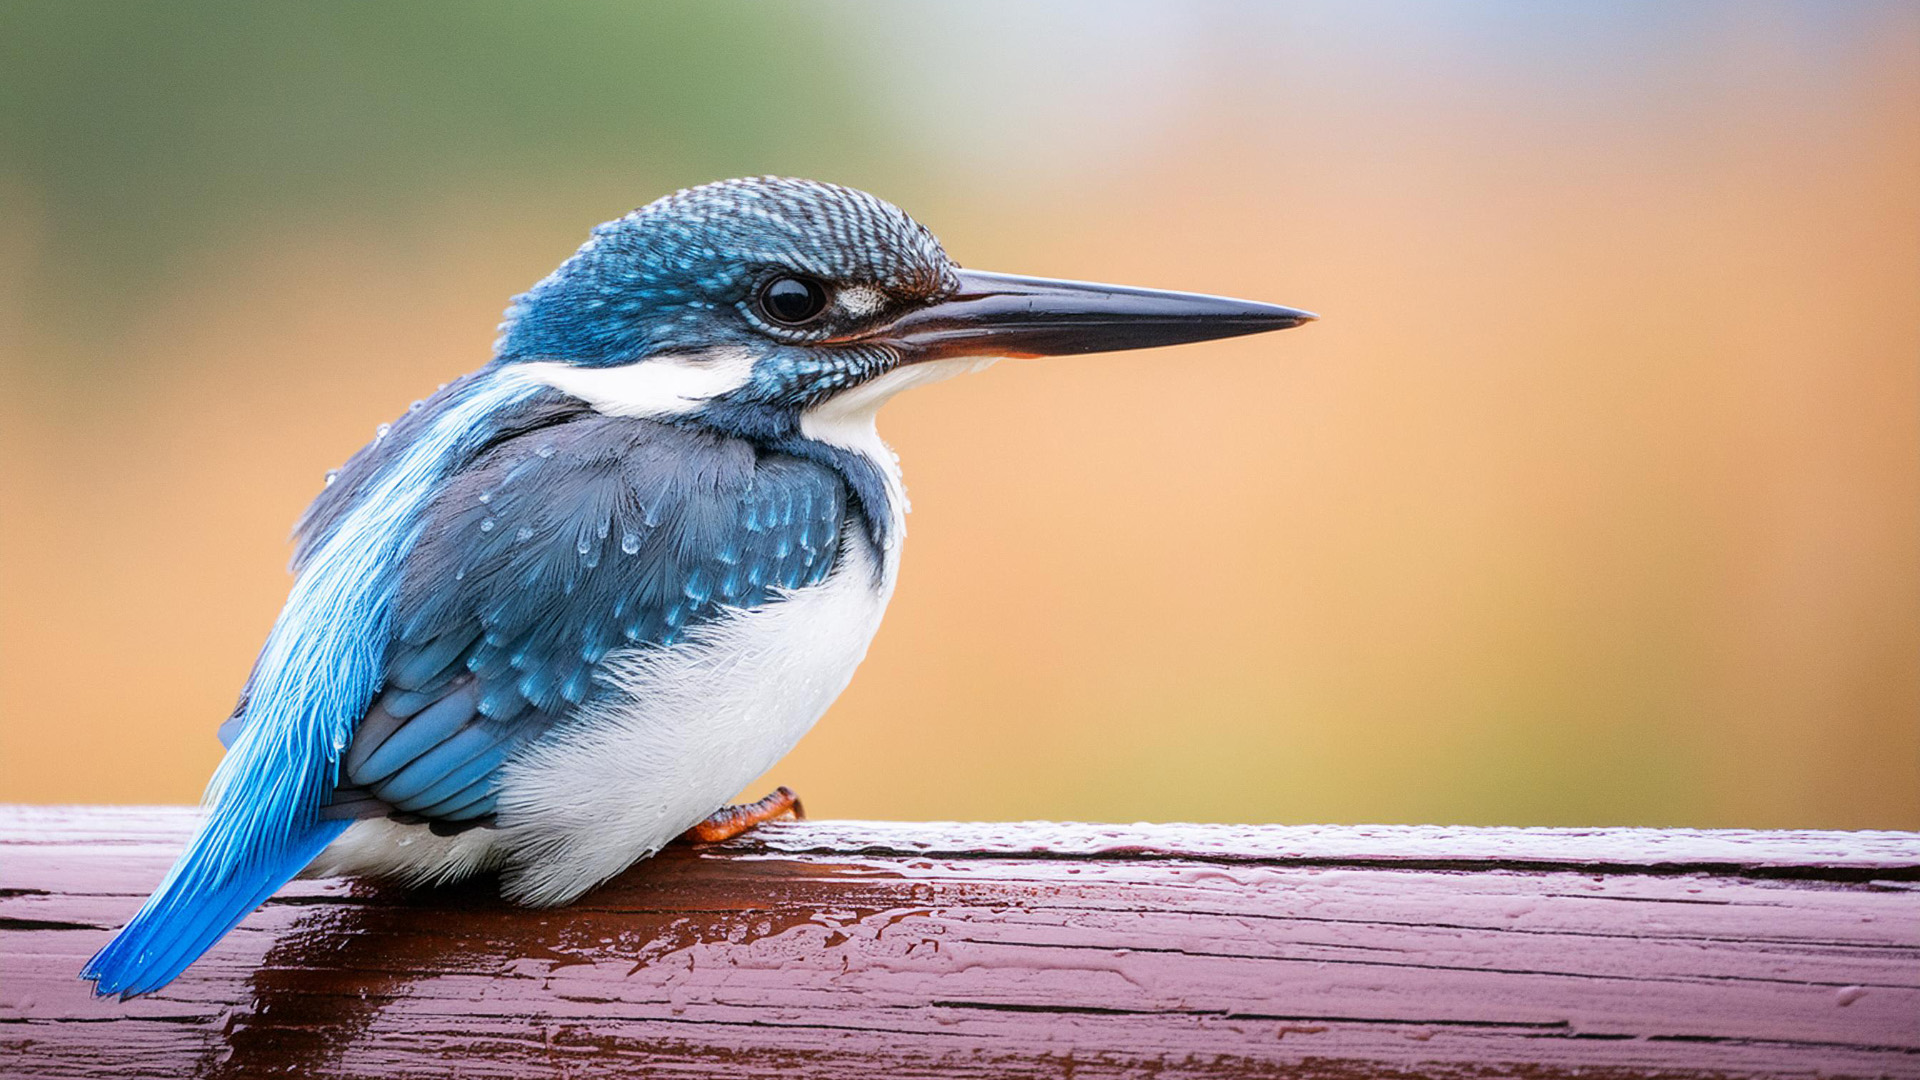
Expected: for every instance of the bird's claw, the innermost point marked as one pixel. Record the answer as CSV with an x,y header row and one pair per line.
x,y
730,821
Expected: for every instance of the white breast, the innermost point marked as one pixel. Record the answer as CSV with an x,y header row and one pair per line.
x,y
686,728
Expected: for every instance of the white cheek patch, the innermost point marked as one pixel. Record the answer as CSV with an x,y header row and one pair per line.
x,y
860,301
671,384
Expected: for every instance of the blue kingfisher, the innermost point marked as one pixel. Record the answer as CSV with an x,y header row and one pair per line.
x,y
556,614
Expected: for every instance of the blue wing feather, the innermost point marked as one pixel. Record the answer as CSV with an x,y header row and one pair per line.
x,y
459,585
546,555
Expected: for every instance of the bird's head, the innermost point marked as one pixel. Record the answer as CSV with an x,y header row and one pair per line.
x,y
746,304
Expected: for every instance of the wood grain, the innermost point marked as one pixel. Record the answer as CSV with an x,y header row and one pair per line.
x,y
833,949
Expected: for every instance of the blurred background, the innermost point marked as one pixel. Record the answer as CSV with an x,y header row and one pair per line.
x,y
1593,499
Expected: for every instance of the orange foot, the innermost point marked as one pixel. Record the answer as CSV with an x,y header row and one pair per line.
x,y
730,821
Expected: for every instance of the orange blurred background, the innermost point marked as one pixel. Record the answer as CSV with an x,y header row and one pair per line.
x,y
1593,499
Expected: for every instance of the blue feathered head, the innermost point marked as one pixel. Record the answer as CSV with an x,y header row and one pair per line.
x,y
744,303
692,270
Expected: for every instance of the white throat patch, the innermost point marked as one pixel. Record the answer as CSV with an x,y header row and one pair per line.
x,y
847,420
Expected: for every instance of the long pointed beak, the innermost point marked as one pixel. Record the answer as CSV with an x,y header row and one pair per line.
x,y
1008,315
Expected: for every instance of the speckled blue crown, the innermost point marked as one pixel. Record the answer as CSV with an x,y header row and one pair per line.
x,y
649,282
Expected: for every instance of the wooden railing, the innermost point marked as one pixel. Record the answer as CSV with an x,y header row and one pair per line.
x,y
864,949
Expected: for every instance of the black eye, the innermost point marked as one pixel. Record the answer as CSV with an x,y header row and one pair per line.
x,y
792,301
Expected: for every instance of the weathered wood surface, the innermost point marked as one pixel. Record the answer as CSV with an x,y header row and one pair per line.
x,y
834,949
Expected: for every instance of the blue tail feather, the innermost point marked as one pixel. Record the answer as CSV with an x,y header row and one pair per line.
x,y
197,904
319,671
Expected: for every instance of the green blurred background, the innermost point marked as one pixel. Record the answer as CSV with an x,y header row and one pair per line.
x,y
1594,499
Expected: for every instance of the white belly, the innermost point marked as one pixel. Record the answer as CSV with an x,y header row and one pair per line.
x,y
684,729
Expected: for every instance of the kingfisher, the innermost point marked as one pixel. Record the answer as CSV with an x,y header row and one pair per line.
x,y
559,612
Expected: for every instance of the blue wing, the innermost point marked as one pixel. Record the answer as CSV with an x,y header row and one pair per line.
x,y
551,552
458,584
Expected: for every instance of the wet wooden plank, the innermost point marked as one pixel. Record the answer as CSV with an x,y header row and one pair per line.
x,y
1037,949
